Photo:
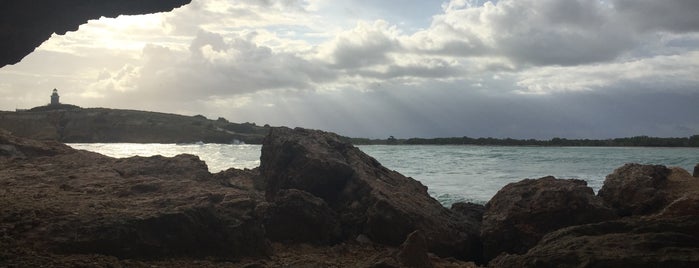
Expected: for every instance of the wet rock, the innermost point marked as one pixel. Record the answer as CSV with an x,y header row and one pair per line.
x,y
523,212
696,171
413,252
367,197
297,216
632,242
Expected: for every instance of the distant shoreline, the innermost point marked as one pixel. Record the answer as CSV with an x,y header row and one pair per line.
x,y
638,141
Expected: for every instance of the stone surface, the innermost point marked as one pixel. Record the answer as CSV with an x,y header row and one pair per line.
x,y
472,212
368,198
696,171
24,25
413,252
297,216
635,189
636,242
523,212
57,200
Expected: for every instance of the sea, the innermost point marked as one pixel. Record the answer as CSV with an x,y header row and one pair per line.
x,y
452,173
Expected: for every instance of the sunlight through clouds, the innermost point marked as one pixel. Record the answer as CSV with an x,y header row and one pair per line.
x,y
430,68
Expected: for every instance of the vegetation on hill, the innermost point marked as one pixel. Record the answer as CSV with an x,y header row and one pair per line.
x,y
644,141
74,124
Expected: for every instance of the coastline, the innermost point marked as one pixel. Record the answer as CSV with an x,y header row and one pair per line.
x,y
316,198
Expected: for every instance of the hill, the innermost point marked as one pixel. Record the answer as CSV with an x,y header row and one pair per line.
x,y
75,124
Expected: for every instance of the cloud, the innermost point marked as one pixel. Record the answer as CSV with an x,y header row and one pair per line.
x,y
669,15
519,68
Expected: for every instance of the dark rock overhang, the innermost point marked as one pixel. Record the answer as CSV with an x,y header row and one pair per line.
x,y
24,25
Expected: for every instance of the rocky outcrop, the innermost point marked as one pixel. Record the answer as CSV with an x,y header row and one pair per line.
x,y
26,24
638,242
413,252
635,189
659,228
14,147
114,125
57,200
523,212
297,216
368,198
472,212
696,171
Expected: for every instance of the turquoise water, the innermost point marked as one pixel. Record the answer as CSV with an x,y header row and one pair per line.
x,y
476,173
452,173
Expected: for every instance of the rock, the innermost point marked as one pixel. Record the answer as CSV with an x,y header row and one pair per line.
x,y
367,197
635,189
26,25
15,147
472,212
413,252
696,171
185,166
631,242
70,202
523,212
297,216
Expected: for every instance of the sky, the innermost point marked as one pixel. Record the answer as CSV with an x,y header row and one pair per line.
x,y
411,68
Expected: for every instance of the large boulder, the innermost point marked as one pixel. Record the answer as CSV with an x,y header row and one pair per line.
x,y
631,242
523,212
696,171
368,198
636,189
297,216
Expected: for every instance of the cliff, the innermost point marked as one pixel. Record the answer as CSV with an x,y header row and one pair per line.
x,y
113,125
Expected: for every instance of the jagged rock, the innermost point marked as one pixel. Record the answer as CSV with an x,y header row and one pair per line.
x,y
15,147
180,166
635,189
25,25
696,171
297,216
413,252
523,212
635,242
59,200
368,198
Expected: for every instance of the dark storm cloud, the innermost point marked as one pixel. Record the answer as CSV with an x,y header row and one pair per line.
x,y
667,15
448,112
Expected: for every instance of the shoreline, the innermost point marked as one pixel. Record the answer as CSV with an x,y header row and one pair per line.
x,y
317,200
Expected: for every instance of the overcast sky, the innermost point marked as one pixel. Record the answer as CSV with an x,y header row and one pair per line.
x,y
408,68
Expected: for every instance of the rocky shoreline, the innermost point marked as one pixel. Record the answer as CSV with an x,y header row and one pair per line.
x,y
318,201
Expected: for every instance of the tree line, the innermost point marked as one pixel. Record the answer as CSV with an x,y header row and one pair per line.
x,y
638,141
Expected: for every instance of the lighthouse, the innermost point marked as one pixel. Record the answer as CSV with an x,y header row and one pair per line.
x,y
54,97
